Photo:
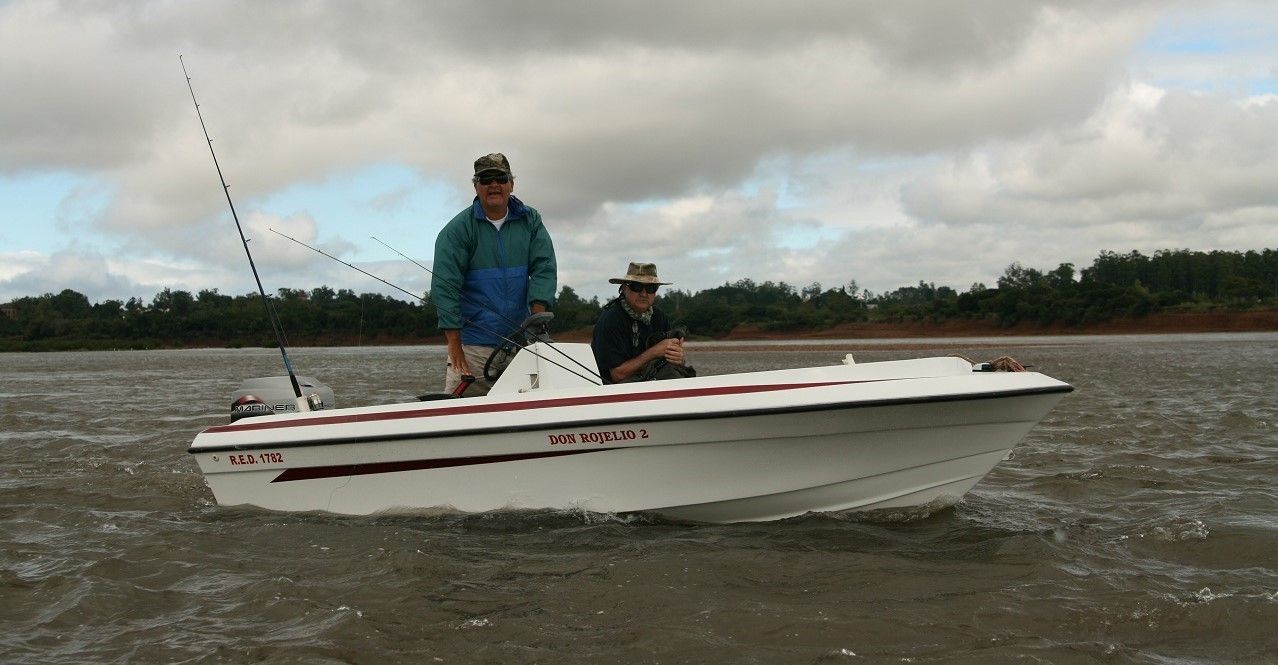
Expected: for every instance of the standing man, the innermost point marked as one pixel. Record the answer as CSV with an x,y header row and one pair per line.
x,y
494,265
632,339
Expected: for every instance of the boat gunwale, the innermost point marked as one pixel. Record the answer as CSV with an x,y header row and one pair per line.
x,y
1060,387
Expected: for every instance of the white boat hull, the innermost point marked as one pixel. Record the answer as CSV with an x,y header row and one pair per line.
x,y
747,447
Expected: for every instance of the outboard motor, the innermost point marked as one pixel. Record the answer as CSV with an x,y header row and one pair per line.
x,y
269,395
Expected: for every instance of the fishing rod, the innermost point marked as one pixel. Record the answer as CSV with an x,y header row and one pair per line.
x,y
311,402
489,306
348,265
593,379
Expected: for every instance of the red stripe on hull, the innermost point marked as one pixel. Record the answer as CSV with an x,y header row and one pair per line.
x,y
343,470
269,423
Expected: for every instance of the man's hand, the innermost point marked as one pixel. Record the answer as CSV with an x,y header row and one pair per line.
x,y
456,357
671,349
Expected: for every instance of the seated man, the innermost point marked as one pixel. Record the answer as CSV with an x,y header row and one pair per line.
x,y
632,339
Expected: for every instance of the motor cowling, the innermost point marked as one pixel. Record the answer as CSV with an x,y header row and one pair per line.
x,y
269,395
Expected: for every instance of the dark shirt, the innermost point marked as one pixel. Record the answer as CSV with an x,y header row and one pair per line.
x,y
614,340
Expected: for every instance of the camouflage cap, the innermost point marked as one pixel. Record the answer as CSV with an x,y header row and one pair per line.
x,y
643,273
492,162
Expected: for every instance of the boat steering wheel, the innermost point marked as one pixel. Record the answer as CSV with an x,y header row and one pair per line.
x,y
535,328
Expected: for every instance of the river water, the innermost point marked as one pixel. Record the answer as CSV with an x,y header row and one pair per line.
x,y
1138,523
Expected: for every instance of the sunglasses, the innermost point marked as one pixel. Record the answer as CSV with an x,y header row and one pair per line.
x,y
636,287
490,179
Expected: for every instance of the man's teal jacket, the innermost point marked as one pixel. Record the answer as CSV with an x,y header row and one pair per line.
x,y
484,280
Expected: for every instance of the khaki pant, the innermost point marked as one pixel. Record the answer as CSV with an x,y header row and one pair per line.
x,y
476,356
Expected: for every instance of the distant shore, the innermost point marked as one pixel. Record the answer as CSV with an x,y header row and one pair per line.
x,y
1161,323
1196,322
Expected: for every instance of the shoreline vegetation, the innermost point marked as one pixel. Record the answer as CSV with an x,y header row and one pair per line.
x,y
910,332
1265,320
1173,291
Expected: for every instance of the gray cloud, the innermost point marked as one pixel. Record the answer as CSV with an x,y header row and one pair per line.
x,y
88,272
1147,158
699,123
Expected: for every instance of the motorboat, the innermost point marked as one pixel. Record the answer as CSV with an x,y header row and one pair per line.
x,y
729,448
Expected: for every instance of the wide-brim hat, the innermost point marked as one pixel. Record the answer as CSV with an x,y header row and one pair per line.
x,y
494,162
643,273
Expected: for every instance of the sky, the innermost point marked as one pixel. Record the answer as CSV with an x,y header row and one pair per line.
x,y
829,142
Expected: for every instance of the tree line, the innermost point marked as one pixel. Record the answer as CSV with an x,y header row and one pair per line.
x,y
1115,285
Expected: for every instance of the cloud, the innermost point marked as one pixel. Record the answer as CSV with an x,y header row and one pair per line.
x,y
883,142
1146,158
613,103
31,274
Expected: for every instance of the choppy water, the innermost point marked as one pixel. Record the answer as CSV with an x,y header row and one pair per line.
x,y
1137,524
